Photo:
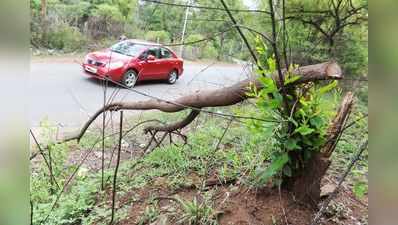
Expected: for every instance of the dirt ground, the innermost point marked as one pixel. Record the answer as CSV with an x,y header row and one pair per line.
x,y
239,205
235,204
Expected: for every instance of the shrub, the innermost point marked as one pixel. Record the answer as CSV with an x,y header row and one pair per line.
x,y
209,52
192,51
109,12
133,31
200,50
161,36
67,38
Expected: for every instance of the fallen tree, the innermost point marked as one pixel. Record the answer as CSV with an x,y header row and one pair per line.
x,y
217,98
306,182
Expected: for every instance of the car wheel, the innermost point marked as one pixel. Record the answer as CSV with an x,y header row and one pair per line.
x,y
130,78
173,77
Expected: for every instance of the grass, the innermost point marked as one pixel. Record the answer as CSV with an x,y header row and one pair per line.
x,y
173,167
196,213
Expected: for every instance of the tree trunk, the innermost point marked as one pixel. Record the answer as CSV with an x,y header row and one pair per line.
x,y
43,18
306,184
43,9
220,52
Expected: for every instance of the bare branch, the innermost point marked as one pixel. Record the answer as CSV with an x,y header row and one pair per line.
x,y
52,177
217,98
241,34
175,126
205,7
117,167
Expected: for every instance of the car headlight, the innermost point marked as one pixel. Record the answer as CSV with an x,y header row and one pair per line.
x,y
115,65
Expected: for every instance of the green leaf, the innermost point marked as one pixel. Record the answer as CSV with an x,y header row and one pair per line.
x,y
316,121
304,130
259,71
290,119
291,144
360,189
327,88
271,64
274,103
276,166
303,102
269,85
291,79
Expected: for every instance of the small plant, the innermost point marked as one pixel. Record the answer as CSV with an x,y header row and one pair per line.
x,y
149,216
196,212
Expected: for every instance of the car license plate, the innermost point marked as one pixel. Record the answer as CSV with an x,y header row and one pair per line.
x,y
90,69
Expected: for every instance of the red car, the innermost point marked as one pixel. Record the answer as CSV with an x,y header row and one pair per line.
x,y
130,61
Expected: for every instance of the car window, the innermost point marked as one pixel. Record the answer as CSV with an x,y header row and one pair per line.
x,y
165,54
128,48
154,52
151,51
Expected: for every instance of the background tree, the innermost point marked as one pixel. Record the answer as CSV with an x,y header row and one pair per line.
x,y
318,30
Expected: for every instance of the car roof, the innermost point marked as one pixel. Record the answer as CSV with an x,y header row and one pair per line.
x,y
142,42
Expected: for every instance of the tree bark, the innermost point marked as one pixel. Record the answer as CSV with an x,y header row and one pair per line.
x,y
337,125
175,126
306,185
43,9
43,18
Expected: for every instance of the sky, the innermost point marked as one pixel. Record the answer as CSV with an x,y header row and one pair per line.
x,y
250,3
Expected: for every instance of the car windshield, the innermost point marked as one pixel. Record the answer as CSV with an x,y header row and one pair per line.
x,y
128,48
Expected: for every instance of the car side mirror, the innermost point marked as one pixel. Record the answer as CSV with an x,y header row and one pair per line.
x,y
150,58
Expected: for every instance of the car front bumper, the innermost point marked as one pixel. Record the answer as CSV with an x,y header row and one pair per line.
x,y
94,71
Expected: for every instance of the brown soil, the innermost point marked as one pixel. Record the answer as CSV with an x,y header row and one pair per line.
x,y
266,206
237,204
242,206
67,58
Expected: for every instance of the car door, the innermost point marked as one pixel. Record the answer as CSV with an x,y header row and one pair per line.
x,y
150,68
166,62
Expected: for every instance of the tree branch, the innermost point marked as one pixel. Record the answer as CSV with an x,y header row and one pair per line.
x,y
216,98
241,34
175,126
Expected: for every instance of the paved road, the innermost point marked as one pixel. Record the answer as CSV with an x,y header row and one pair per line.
x,y
61,93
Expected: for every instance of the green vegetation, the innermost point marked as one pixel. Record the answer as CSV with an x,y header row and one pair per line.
x,y
243,155
81,24
196,213
252,154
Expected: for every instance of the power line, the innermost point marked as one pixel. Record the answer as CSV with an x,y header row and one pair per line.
x,y
241,34
205,7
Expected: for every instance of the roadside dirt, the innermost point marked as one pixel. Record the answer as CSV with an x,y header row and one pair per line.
x,y
68,58
238,205
235,204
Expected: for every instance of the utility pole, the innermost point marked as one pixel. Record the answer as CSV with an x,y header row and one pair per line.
x,y
184,29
